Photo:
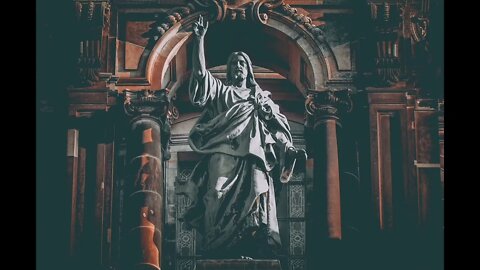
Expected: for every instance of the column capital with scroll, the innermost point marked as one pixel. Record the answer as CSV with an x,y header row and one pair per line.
x,y
328,104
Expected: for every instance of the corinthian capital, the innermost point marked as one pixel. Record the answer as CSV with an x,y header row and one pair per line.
x,y
153,107
146,103
328,103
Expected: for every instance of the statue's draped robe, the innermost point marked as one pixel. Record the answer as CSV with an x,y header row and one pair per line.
x,y
231,188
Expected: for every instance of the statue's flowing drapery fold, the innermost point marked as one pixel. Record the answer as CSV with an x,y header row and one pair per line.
x,y
231,188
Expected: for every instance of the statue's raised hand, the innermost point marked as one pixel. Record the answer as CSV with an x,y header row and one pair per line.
x,y
200,27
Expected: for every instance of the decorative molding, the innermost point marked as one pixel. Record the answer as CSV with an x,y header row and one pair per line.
x,y
85,102
303,20
127,81
234,10
170,18
221,10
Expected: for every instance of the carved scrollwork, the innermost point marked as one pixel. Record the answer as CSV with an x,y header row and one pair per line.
x,y
172,114
255,10
221,10
260,8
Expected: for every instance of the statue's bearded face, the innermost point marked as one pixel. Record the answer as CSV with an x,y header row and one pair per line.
x,y
238,68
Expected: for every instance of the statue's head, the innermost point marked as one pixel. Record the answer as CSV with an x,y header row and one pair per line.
x,y
239,68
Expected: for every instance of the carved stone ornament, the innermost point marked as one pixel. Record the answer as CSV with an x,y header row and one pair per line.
x,y
255,10
302,19
146,102
231,10
329,102
221,10
167,20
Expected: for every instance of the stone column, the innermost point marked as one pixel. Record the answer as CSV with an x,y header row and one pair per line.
x,y
144,187
323,109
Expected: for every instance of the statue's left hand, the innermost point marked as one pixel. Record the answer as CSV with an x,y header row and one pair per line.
x,y
299,154
261,103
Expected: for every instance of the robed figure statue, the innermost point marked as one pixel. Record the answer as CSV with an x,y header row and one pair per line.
x,y
244,139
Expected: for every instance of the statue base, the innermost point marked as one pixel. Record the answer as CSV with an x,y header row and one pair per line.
x,y
238,264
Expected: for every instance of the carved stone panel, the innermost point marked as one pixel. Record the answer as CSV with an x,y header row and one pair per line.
x,y
297,238
185,264
297,264
296,196
185,237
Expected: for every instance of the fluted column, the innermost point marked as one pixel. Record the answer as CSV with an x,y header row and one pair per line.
x,y
144,194
323,109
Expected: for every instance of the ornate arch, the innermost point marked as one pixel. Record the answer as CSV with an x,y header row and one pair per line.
x,y
174,30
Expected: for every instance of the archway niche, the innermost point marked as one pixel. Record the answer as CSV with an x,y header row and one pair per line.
x,y
287,57
281,45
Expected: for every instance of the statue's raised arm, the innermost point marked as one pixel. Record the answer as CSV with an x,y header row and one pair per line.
x,y
203,86
199,29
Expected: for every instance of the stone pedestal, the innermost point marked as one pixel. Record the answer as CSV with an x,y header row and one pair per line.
x,y
238,265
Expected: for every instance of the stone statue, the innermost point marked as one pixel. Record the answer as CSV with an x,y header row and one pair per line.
x,y
244,139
